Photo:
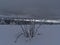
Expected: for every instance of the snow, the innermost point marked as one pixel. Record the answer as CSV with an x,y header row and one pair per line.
x,y
50,35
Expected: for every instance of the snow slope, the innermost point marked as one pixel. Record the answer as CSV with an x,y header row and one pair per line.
x,y
50,35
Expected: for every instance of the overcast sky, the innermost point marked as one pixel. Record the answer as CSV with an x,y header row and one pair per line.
x,y
47,8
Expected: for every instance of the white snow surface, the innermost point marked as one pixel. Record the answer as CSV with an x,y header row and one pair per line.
x,y
50,35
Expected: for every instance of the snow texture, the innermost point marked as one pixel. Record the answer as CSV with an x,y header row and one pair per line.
x,y
49,35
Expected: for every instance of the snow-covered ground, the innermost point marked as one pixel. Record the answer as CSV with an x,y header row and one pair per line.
x,y
50,35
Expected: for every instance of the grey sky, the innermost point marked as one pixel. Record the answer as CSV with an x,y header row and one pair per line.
x,y
47,8
26,3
